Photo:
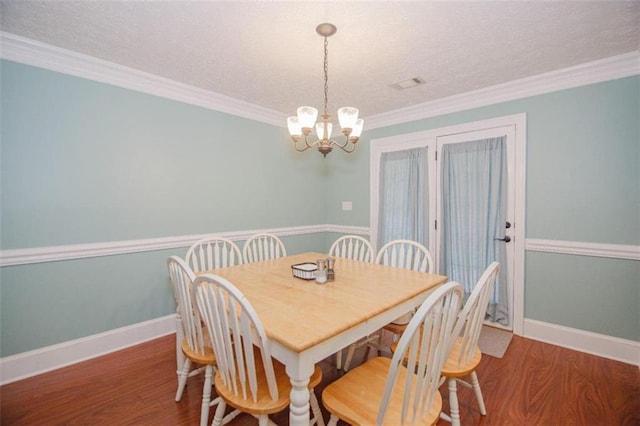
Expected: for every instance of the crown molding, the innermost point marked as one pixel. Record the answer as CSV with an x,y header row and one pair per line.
x,y
37,54
34,53
620,66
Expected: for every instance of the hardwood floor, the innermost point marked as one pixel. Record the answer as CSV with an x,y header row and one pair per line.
x,y
534,384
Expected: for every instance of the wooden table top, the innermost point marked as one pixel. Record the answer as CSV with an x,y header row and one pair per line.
x,y
300,314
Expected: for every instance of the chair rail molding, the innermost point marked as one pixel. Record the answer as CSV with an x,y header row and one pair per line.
x,y
26,256
615,251
80,251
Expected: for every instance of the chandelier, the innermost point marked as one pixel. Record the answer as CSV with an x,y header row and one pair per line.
x,y
300,126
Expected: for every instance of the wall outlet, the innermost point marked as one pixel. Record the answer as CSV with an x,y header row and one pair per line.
x,y
347,206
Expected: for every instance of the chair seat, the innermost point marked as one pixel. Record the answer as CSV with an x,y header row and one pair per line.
x,y
451,367
396,328
356,396
264,404
207,358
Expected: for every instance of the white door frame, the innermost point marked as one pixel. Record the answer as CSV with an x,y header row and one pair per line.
x,y
428,138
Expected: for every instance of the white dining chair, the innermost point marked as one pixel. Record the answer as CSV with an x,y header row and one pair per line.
x,y
352,247
357,248
194,342
174,270
261,247
402,390
213,252
248,378
465,354
405,254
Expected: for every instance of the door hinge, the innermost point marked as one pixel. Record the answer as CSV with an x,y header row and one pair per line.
x,y
436,155
436,225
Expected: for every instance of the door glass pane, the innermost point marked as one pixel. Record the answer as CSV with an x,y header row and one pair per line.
x,y
403,210
474,203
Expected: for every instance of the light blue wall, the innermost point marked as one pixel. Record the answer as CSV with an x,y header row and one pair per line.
x,y
583,185
587,293
85,162
53,302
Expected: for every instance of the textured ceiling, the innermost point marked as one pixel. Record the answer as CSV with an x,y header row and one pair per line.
x,y
268,54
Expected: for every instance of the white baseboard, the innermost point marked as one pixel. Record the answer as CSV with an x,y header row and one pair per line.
x,y
32,363
615,348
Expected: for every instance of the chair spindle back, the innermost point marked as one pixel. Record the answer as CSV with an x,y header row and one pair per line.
x,y
263,247
405,254
473,313
182,278
212,253
423,348
352,247
237,335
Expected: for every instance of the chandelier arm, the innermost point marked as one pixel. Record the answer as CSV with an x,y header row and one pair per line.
x,y
344,146
303,149
306,146
310,145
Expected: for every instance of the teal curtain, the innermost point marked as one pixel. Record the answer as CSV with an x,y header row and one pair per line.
x,y
403,209
474,202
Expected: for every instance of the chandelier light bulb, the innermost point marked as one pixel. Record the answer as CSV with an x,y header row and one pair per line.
x,y
347,117
295,129
320,130
307,116
356,130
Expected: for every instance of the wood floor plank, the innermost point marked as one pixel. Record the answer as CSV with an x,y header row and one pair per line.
x,y
533,384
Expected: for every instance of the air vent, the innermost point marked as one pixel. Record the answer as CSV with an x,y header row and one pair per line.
x,y
405,84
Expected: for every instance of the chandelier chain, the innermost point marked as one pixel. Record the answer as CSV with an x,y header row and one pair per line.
x,y
326,74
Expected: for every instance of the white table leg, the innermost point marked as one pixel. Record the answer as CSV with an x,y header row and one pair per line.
x,y
299,404
299,397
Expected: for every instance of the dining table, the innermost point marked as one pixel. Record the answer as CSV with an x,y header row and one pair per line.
x,y
307,321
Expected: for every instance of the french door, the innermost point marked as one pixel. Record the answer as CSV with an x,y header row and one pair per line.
x,y
475,212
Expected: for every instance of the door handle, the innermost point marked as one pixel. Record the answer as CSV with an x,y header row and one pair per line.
x,y
506,239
